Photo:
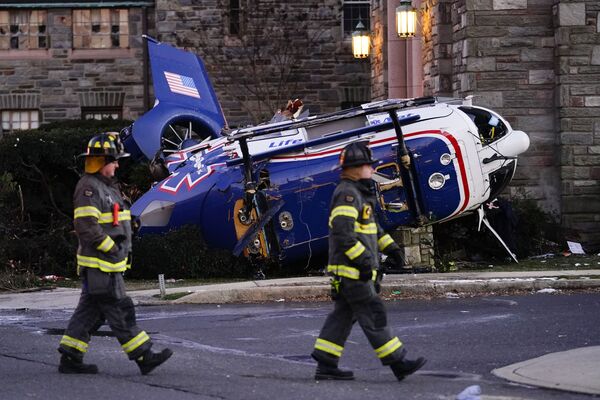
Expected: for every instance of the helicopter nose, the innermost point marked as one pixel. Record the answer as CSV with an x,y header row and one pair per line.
x,y
516,142
520,142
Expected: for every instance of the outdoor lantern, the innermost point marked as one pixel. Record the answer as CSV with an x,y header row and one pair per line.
x,y
361,41
406,19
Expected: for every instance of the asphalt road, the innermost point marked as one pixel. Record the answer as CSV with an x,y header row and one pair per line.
x,y
262,351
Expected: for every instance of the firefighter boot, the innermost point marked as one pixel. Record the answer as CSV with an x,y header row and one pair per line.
x,y
150,360
406,367
325,371
70,365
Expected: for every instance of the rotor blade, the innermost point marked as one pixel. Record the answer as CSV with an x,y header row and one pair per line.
x,y
176,134
170,141
482,218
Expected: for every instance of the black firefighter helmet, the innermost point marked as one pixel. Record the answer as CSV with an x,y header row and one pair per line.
x,y
356,154
105,145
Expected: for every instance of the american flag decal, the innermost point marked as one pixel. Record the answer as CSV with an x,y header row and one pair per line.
x,y
182,84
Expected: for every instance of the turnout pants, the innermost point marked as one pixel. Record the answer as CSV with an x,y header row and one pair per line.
x,y
357,301
114,307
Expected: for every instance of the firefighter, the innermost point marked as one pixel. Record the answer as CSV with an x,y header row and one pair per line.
x,y
355,239
103,226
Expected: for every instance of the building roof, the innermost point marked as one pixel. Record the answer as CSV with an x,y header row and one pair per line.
x,y
74,4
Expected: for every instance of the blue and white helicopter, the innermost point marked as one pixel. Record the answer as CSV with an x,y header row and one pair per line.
x,y
264,191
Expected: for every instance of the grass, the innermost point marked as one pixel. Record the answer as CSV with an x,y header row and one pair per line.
x,y
556,262
172,296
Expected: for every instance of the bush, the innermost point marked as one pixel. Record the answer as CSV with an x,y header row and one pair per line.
x,y
36,189
36,224
523,225
183,254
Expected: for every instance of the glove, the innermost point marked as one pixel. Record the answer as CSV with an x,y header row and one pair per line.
x,y
398,258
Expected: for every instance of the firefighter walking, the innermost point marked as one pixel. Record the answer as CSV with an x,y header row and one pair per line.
x,y
103,225
355,239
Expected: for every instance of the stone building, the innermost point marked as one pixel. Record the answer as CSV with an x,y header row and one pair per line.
x,y
536,62
86,59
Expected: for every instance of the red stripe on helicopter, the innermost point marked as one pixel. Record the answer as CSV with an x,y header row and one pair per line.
x,y
459,158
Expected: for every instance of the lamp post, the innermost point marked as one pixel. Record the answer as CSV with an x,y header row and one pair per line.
x,y
361,41
406,19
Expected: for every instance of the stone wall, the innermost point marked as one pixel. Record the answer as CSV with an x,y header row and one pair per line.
x,y
536,62
302,55
503,54
379,70
577,55
59,80
418,245
436,22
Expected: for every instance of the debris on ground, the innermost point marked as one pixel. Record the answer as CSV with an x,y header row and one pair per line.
x,y
470,393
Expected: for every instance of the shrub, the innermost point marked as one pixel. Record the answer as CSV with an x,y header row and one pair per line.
x,y
183,253
36,226
525,227
36,189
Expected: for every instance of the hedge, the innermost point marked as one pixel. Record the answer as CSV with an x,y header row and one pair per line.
x,y
40,170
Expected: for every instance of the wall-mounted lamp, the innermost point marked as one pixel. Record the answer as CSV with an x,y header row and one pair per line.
x,y
361,41
406,19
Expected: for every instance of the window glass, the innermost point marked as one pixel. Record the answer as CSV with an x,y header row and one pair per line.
x,y
13,120
355,11
100,113
23,29
489,127
234,17
100,28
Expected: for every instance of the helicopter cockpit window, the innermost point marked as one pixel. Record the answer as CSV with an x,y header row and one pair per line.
x,y
489,127
387,176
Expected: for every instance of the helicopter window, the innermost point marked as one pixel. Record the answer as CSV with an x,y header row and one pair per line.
x,y
500,179
334,127
387,176
490,128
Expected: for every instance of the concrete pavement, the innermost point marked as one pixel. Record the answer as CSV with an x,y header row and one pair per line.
x,y
575,370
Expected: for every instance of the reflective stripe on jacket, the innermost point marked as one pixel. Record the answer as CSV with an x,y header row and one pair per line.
x,y
355,237
103,242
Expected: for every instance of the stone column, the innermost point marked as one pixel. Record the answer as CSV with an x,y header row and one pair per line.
x,y
577,33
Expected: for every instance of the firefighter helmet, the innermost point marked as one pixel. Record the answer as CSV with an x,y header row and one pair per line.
x,y
105,145
356,154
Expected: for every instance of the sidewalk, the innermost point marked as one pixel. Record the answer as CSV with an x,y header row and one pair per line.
x,y
575,370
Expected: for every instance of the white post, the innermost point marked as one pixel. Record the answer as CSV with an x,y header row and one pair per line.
x,y
161,285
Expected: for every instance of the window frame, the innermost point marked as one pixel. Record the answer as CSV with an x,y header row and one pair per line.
x,y
20,30
353,21
235,17
106,28
32,123
93,111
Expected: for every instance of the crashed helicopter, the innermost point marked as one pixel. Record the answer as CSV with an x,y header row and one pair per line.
x,y
264,191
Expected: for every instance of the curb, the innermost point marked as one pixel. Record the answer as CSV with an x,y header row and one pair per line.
x,y
319,291
437,288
